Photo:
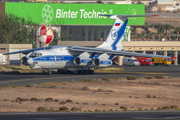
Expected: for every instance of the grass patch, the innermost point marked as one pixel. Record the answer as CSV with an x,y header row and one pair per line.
x,y
49,100
74,109
41,109
31,85
34,99
97,110
69,100
148,96
62,102
110,69
131,78
86,80
103,90
64,108
110,110
84,88
148,77
159,77
22,99
165,108
174,107
105,79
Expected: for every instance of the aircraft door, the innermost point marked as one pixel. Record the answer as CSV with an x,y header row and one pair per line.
x,y
59,62
53,61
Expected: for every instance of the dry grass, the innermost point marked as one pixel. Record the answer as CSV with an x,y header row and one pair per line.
x,y
41,109
64,108
109,69
131,78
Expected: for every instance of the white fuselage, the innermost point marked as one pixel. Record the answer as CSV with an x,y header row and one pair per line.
x,y
60,58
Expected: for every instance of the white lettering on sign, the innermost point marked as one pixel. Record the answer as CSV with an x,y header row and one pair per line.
x,y
61,13
65,14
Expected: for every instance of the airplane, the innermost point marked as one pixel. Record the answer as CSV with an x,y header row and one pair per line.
x,y
69,59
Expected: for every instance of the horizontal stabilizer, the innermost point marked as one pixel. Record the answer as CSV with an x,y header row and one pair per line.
x,y
129,15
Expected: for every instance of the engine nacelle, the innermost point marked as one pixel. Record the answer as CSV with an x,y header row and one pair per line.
x,y
82,61
24,60
102,62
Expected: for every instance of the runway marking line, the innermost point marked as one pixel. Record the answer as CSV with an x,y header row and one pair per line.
x,y
78,76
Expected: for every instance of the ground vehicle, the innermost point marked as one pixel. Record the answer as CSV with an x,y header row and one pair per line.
x,y
172,59
130,61
161,61
145,61
115,61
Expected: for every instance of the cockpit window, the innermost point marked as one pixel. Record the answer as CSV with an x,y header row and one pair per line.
x,y
36,54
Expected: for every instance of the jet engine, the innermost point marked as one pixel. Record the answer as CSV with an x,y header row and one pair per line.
x,y
82,61
24,60
102,62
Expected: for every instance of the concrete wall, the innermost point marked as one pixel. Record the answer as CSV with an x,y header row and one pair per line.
x,y
5,48
2,8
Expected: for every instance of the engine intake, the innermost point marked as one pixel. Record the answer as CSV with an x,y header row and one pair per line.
x,y
77,61
102,62
24,60
82,61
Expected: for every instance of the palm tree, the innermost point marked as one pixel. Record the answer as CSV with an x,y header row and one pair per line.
x,y
139,36
165,35
159,33
177,30
152,34
167,27
143,34
159,27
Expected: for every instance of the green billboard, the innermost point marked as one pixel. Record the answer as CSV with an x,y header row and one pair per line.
x,y
75,14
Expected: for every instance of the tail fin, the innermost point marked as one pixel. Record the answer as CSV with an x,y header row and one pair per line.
x,y
114,38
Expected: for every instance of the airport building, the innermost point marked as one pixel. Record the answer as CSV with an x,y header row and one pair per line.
x,y
81,25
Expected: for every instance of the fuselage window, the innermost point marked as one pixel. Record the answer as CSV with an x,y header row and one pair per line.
x,y
36,54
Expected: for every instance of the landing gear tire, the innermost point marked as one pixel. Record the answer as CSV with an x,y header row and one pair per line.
x,y
47,72
59,71
85,72
91,72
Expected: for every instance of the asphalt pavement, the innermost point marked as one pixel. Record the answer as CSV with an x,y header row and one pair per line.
x,y
37,78
125,115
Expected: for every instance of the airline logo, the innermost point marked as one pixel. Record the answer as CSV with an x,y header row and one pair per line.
x,y
117,24
47,13
113,34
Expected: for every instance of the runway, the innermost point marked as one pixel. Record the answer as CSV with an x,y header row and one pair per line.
x,y
38,78
128,115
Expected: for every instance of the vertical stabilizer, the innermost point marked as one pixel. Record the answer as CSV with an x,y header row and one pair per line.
x,y
114,38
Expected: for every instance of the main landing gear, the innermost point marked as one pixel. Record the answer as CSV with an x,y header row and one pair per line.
x,y
59,71
85,72
47,72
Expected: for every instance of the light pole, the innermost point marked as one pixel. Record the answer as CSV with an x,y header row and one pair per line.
x,y
174,16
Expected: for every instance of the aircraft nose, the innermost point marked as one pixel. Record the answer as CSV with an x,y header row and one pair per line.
x,y
30,61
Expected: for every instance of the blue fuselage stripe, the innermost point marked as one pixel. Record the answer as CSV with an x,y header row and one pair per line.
x,y
56,58
53,58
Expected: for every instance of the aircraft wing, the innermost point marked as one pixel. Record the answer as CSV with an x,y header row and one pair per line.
x,y
28,51
114,52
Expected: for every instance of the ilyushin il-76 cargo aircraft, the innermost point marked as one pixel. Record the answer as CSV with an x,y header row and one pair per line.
x,y
68,59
